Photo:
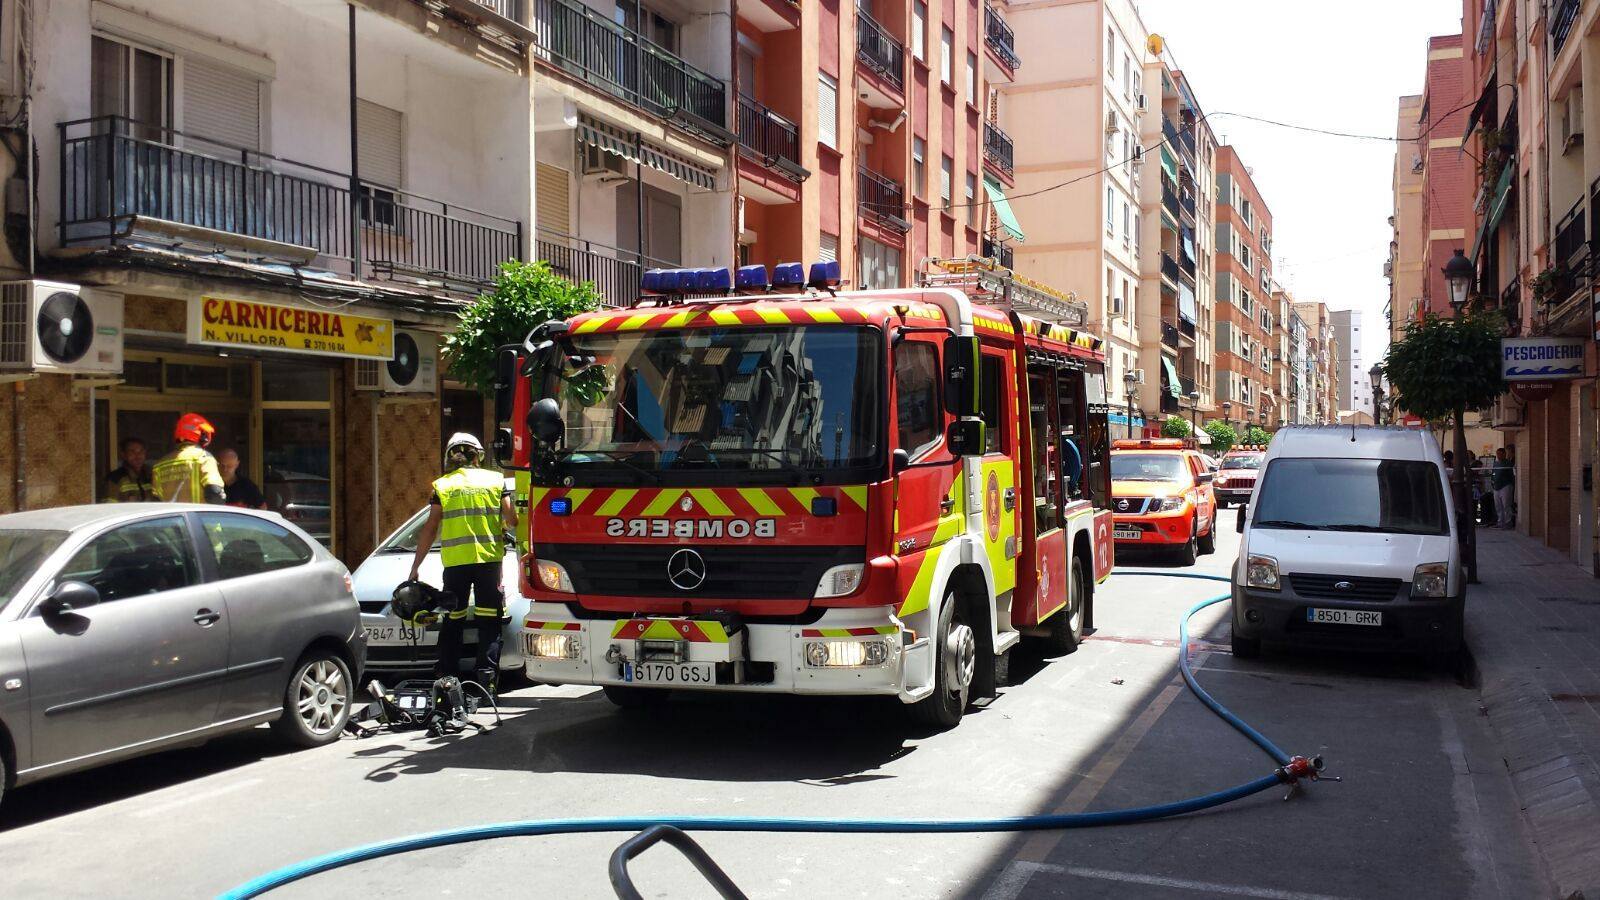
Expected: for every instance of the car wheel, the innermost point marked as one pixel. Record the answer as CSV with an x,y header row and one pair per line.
x,y
1066,626
955,660
1245,647
634,698
1208,541
316,704
5,778
1189,552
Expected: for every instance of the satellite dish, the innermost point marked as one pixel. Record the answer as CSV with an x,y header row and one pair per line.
x,y
407,359
65,327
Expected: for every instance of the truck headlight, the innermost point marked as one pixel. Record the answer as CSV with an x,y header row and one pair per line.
x,y
1166,504
1261,572
840,581
1431,580
553,576
846,654
553,645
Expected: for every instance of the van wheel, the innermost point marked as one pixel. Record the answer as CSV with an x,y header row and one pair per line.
x,y
1245,647
954,663
1189,551
316,703
1207,544
634,698
1066,626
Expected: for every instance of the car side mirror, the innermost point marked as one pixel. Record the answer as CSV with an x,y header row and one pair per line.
x,y
964,437
1239,523
69,597
900,460
545,421
1205,478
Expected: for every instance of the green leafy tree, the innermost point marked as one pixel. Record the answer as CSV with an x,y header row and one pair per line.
x,y
1255,434
525,294
1223,437
1443,366
1175,427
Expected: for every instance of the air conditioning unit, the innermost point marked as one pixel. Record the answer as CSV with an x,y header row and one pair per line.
x,y
600,162
47,326
414,369
1572,119
1112,126
1142,105
1416,163
1116,307
1138,375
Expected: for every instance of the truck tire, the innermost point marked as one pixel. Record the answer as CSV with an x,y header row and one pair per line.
x,y
632,698
955,660
1207,544
1066,626
1188,552
316,702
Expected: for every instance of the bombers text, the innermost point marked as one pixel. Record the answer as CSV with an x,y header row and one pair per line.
x,y
692,528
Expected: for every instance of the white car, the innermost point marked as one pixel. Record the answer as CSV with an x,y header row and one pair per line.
x,y
1350,542
394,646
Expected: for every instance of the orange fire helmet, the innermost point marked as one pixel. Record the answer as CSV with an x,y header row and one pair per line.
x,y
194,428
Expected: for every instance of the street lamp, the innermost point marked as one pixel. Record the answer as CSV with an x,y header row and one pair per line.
x,y
1227,412
1458,273
1131,382
1376,374
1194,411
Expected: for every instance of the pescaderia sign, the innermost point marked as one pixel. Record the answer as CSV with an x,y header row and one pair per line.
x,y
1541,358
228,322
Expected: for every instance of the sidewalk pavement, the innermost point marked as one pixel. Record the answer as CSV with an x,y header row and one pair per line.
x,y
1533,626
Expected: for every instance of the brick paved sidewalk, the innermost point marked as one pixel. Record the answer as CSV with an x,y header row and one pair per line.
x,y
1534,630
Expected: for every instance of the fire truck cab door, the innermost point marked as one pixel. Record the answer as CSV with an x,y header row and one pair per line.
x,y
930,504
993,492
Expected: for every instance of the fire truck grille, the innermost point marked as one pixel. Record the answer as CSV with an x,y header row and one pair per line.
x,y
731,573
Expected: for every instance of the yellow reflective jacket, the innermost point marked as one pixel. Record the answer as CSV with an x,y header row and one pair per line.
x,y
471,530
183,475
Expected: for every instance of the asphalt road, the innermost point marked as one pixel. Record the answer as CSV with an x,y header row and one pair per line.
x,y
1424,809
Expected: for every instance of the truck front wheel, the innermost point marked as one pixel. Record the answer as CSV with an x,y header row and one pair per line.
x,y
955,661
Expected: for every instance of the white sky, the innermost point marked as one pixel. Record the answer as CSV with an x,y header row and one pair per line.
x,y
1340,66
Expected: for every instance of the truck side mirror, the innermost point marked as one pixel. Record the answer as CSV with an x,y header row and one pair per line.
x,y
503,447
505,382
545,422
899,460
961,376
964,437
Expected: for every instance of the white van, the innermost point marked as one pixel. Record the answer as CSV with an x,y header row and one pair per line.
x,y
1350,543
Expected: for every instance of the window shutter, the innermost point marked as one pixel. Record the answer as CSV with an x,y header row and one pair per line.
x,y
552,207
828,250
221,103
378,153
827,110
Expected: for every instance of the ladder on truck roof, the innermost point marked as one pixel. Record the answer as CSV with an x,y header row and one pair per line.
x,y
993,284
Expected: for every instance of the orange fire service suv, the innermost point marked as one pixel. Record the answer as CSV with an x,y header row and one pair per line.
x,y
1163,497
798,490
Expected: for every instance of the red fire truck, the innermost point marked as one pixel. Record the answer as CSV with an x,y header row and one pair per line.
x,y
796,489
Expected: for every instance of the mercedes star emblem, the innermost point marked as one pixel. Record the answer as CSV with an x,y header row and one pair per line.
x,y
686,569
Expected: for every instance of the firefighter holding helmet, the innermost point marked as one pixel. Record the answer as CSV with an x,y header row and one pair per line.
x,y
469,515
188,473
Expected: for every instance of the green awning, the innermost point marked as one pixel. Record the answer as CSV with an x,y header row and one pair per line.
x,y
1002,208
1169,164
1498,201
1174,384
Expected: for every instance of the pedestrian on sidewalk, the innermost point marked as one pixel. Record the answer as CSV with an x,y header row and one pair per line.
x,y
1504,479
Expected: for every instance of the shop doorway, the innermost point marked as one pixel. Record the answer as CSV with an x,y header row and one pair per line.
x,y
462,410
278,415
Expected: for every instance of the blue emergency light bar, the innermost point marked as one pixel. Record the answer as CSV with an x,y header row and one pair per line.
x,y
824,274
788,275
686,281
751,278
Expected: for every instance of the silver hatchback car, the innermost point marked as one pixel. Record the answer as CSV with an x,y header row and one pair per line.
x,y
130,628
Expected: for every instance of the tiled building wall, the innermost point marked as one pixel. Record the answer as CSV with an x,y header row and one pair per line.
x,y
52,445
408,462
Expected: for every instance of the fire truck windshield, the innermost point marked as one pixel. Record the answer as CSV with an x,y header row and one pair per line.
x,y
694,405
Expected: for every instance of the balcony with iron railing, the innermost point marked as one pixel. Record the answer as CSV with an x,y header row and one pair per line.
x,y
998,252
997,148
614,272
1169,335
1186,202
998,37
1511,307
1572,241
1186,328
1563,15
1169,268
1169,196
1181,140
587,45
880,51
125,182
772,138
881,199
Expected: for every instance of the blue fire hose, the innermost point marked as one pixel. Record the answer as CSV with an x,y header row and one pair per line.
x,y
1290,770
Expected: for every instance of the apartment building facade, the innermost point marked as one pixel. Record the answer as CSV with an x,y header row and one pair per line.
x,y
1354,384
1406,264
1322,406
1246,387
1075,109
1446,173
270,229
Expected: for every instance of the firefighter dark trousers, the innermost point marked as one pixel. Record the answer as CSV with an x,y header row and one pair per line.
x,y
476,588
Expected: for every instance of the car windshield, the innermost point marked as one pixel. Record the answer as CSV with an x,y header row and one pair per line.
x,y
1147,467
405,540
21,552
686,405
1379,495
1252,461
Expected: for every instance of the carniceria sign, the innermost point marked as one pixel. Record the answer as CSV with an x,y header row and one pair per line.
x,y
1541,358
227,322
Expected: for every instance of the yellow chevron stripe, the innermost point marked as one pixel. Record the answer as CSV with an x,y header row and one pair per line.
x,y
886,629
763,504
709,500
616,627
663,501
714,631
577,496
660,630
634,322
858,494
535,495
773,316
921,587
724,317
823,314
589,325
805,495
835,632
616,502
679,319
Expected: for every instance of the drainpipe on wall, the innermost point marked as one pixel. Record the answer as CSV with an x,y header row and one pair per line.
x,y
377,527
355,174
20,442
